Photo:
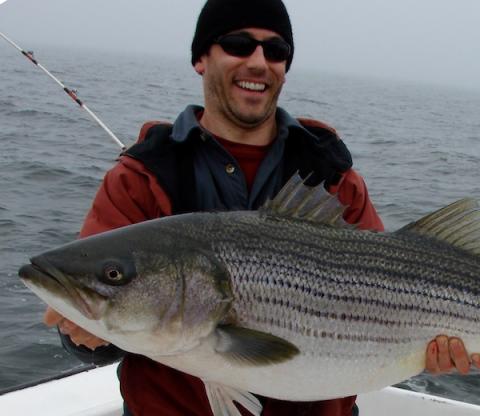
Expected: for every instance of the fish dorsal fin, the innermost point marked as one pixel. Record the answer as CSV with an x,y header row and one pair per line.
x,y
312,203
243,346
221,400
457,224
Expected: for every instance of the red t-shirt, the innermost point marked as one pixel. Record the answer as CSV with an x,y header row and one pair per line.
x,y
248,156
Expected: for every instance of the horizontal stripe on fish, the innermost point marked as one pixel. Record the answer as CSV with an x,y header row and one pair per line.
x,y
356,317
389,249
337,273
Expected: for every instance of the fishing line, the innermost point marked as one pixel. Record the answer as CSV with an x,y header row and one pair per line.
x,y
71,93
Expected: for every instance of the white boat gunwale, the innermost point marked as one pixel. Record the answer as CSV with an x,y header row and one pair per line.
x,y
95,392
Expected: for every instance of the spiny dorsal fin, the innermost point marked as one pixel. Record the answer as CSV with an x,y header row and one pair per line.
x,y
245,346
315,204
457,224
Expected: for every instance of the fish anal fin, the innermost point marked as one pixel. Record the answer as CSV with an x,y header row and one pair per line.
x,y
249,347
221,400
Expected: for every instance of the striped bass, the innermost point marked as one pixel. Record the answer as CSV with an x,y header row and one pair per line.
x,y
287,302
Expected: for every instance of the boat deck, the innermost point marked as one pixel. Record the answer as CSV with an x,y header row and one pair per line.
x,y
96,393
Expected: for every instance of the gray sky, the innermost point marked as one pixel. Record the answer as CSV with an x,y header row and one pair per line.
x,y
422,40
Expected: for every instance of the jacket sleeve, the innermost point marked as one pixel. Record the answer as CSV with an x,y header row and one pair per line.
x,y
352,192
127,195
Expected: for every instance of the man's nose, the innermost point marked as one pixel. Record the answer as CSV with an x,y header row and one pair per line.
x,y
257,59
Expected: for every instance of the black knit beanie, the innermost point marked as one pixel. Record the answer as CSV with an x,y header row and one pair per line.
x,y
219,17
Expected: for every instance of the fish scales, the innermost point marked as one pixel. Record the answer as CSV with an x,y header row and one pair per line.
x,y
245,253
308,262
382,251
416,283
248,257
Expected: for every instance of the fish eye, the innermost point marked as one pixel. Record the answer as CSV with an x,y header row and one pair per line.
x,y
115,274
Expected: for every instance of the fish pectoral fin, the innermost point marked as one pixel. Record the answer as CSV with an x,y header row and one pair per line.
x,y
250,347
221,400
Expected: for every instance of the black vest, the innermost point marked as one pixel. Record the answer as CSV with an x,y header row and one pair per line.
x,y
324,157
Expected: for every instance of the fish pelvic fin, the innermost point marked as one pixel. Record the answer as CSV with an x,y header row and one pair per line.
x,y
249,347
457,224
221,400
311,203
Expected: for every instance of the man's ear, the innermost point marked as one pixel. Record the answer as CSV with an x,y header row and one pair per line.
x,y
199,67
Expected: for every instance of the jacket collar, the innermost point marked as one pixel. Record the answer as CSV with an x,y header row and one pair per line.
x,y
186,125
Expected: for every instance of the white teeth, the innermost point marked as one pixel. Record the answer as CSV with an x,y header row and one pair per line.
x,y
253,86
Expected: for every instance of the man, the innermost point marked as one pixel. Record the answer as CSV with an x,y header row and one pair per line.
x,y
234,153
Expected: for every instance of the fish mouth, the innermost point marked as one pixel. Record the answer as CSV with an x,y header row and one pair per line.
x,y
40,274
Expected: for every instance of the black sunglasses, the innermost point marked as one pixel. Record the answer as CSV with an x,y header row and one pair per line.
x,y
274,50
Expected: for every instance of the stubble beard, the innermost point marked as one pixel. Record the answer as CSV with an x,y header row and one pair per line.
x,y
230,110
251,119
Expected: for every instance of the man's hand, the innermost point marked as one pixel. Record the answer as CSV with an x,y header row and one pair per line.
x,y
78,335
445,354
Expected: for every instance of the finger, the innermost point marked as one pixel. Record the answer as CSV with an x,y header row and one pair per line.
x,y
78,339
95,342
78,335
90,341
431,364
444,361
51,317
476,360
459,355
67,327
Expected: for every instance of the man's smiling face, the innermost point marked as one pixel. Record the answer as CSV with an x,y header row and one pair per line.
x,y
243,90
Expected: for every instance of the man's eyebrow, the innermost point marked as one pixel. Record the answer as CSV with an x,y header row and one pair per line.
x,y
244,32
240,32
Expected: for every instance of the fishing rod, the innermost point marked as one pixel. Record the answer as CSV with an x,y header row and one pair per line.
x,y
71,93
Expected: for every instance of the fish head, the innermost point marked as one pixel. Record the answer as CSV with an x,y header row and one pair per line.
x,y
143,293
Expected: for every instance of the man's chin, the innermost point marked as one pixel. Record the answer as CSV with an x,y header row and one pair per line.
x,y
251,119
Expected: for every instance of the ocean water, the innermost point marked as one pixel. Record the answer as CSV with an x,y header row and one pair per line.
x,y
416,145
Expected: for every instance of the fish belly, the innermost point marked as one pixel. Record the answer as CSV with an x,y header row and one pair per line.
x,y
304,378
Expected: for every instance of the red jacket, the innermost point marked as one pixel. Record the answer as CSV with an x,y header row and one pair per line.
x,y
130,194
